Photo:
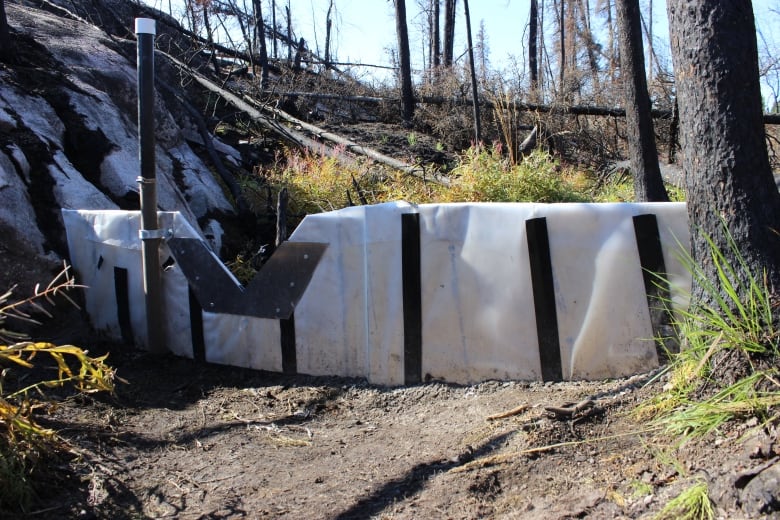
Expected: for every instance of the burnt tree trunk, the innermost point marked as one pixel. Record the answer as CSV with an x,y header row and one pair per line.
x,y
533,64
727,173
562,34
273,24
262,49
328,26
474,90
407,96
449,32
289,32
435,35
648,184
6,49
210,37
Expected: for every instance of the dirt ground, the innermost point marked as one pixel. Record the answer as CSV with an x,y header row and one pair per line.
x,y
182,439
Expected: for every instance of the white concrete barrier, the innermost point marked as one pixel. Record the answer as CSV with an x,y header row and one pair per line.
x,y
404,293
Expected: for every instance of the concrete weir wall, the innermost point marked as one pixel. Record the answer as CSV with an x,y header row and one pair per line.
x,y
405,293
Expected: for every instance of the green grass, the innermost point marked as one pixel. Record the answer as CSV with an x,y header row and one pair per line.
x,y
727,368
692,504
483,174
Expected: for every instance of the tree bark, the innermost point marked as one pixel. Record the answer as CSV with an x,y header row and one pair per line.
x,y
328,26
289,32
273,24
210,37
474,91
449,31
435,35
727,173
533,64
648,184
260,28
6,45
562,34
407,96
590,44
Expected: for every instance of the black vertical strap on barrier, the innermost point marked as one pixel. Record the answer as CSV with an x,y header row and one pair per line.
x,y
123,305
412,297
196,327
651,258
544,298
287,332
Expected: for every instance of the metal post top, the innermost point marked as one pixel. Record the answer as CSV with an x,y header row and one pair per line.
x,y
145,26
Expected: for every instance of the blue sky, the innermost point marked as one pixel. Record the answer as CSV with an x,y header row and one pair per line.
x,y
365,30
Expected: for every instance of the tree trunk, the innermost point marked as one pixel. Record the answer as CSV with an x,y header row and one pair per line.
x,y
299,52
407,96
210,37
289,32
6,46
435,35
727,173
590,45
260,28
274,42
650,40
533,64
562,33
474,92
449,31
328,26
648,184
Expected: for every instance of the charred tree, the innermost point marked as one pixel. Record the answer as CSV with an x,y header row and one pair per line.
x,y
273,24
472,66
205,5
261,46
533,64
562,34
6,45
642,151
328,26
407,96
449,32
591,47
727,172
289,32
435,35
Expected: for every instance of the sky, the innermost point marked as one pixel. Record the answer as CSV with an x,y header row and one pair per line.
x,y
365,30
367,27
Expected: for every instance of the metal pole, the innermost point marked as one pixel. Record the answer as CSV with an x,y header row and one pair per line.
x,y
150,233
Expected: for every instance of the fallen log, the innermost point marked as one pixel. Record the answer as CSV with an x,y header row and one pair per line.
x,y
350,146
577,110
255,111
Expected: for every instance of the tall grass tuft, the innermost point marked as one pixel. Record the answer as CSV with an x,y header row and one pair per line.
x,y
484,175
728,367
692,504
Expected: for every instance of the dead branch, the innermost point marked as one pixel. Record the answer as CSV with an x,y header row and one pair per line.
x,y
255,111
509,413
350,146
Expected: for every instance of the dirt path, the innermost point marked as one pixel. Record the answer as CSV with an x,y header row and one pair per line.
x,y
190,440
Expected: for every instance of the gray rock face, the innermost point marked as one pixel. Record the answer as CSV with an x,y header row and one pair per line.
x,y
761,495
70,135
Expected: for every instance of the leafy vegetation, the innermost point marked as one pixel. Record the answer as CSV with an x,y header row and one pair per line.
x,y
727,368
482,174
25,445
